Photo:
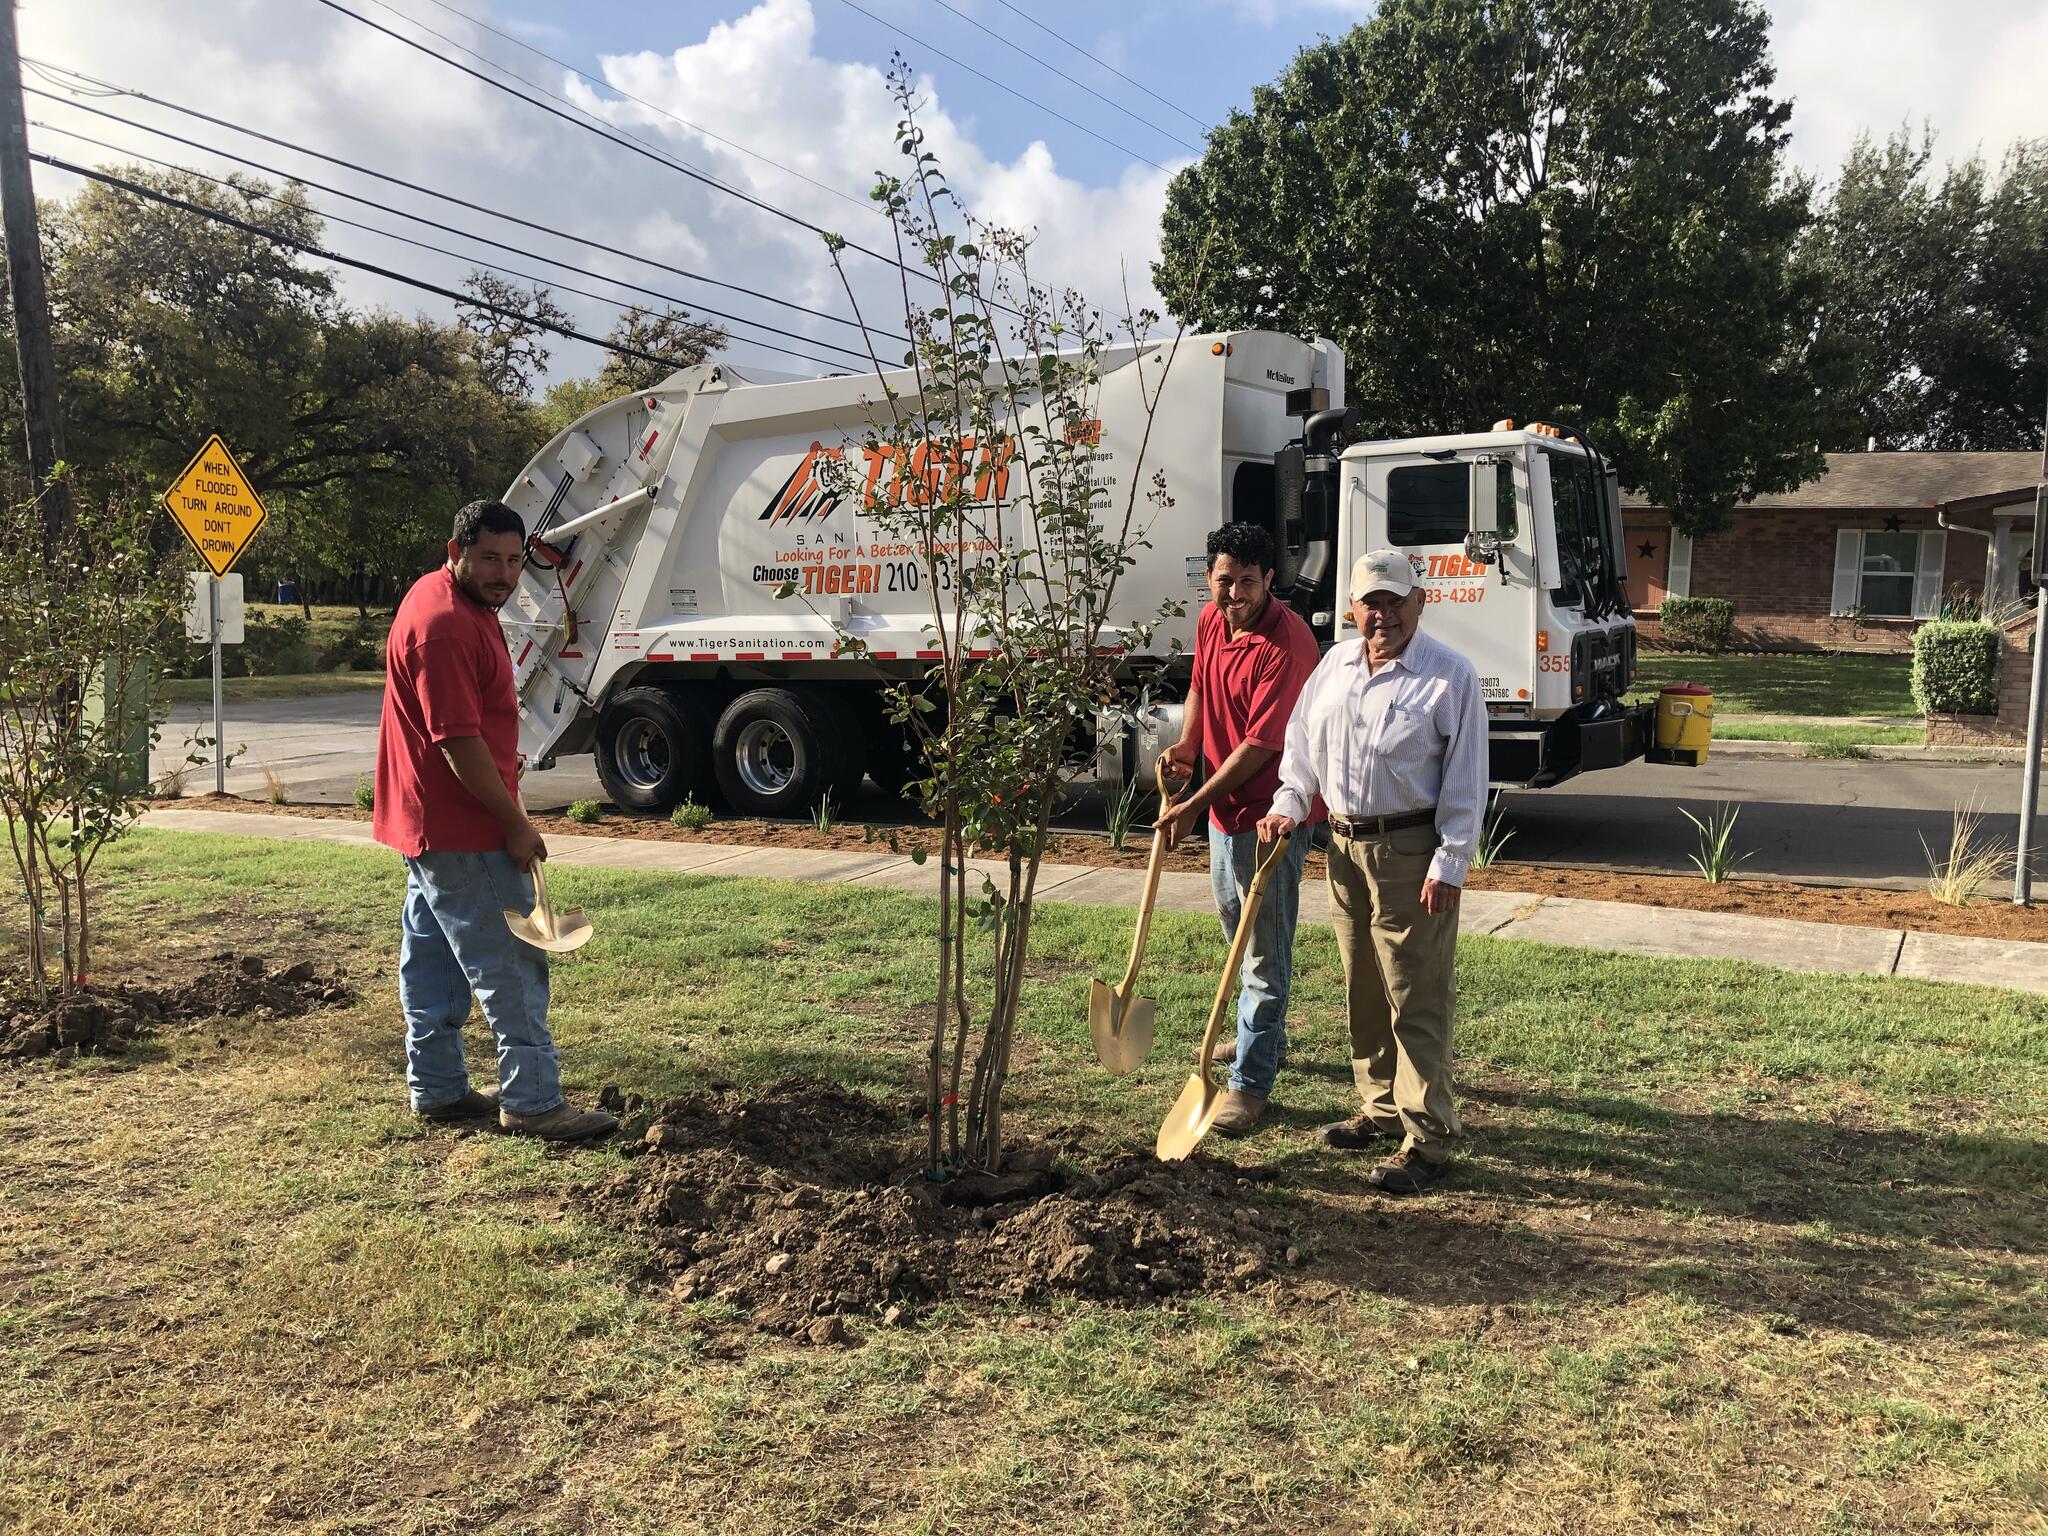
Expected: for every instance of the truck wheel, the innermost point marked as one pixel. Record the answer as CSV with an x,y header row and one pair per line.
x,y
653,749
779,751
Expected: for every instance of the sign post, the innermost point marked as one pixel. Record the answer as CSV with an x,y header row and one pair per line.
x,y
213,504
2030,770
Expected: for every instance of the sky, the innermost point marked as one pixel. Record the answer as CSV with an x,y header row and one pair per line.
x,y
786,101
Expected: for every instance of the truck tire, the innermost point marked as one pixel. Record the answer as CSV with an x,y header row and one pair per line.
x,y
653,749
779,751
893,757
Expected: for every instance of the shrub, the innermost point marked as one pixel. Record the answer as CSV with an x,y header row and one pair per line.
x,y
281,647
366,793
692,816
1697,623
356,649
1955,668
585,811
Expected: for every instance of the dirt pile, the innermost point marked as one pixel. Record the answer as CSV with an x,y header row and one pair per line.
x,y
784,1206
105,1020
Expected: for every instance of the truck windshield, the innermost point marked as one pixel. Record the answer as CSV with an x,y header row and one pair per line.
x,y
1583,559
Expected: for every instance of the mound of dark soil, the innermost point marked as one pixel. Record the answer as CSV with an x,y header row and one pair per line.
x,y
105,1019
774,1204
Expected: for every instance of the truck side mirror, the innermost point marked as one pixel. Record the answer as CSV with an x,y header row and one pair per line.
x,y
1482,543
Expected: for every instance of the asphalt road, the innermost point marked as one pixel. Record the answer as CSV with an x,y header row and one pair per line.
x,y
1839,820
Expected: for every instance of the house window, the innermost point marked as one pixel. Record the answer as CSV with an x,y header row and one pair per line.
x,y
1886,575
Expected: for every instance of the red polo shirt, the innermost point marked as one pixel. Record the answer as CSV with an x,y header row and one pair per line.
x,y
1247,686
447,675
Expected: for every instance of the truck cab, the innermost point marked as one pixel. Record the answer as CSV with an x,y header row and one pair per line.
x,y
1515,539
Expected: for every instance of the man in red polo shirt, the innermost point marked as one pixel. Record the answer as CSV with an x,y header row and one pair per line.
x,y
1252,655
448,800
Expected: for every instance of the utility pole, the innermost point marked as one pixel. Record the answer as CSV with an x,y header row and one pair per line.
x,y
2037,695
31,304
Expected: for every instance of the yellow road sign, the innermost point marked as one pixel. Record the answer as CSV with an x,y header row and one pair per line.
x,y
213,503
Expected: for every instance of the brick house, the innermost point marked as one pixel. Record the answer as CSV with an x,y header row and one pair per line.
x,y
1855,559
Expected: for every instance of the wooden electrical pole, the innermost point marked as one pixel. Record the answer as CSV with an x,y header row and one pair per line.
x,y
44,422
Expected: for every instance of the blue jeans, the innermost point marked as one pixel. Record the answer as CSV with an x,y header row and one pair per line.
x,y
457,947
1268,970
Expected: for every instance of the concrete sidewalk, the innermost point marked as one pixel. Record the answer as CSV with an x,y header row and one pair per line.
x,y
1560,920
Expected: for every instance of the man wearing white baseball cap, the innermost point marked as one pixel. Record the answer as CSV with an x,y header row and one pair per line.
x,y
1390,731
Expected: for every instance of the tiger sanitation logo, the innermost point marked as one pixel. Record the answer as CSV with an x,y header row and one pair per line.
x,y
928,473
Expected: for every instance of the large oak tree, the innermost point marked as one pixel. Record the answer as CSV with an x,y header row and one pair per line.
x,y
1574,209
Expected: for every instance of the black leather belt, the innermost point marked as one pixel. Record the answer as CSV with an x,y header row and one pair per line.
x,y
1378,826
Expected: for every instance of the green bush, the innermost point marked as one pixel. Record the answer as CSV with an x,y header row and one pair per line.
x,y
1697,623
356,649
585,811
366,793
692,815
1955,668
276,647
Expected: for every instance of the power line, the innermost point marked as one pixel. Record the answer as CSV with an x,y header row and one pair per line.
x,y
464,256
1093,59
861,203
912,38
424,191
323,254
625,143
417,218
1054,69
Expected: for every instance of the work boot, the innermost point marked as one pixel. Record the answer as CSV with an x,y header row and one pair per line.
x,y
1407,1172
1238,1112
474,1104
565,1122
1357,1133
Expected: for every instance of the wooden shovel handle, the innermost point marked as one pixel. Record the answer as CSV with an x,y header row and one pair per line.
x,y
1151,893
1239,943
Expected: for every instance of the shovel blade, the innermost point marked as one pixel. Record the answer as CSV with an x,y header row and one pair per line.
x,y
1122,1036
1189,1120
572,930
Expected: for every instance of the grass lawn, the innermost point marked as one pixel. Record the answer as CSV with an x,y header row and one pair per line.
x,y
1799,684
1739,729
199,690
1731,1250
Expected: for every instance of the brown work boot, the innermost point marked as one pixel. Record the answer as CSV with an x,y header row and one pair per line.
x,y
1358,1133
565,1122
1238,1112
474,1104
1407,1172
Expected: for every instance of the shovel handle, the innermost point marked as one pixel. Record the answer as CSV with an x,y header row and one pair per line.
x,y
1239,943
1153,865
542,907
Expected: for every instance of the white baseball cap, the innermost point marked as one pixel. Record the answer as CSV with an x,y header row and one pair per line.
x,y
1381,570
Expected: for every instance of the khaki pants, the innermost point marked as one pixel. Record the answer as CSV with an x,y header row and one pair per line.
x,y
1400,982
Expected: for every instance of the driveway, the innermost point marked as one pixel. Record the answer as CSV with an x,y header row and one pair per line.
x,y
1841,820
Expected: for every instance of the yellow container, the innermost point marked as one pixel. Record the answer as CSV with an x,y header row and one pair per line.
x,y
1685,723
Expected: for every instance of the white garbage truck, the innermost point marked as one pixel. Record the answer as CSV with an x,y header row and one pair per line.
x,y
647,628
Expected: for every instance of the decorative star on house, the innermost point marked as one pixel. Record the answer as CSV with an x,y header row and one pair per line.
x,y
1892,525
1646,549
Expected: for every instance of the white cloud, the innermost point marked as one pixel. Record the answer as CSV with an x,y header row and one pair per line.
x,y
321,80
1969,67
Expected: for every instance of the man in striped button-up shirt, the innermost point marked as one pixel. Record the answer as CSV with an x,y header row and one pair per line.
x,y
1390,731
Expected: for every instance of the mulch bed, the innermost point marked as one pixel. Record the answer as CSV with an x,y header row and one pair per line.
x,y
1856,906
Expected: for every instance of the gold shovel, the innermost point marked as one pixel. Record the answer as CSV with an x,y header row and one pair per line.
x,y
1188,1122
545,928
1119,1024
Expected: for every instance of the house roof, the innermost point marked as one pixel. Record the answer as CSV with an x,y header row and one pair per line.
x,y
1884,480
